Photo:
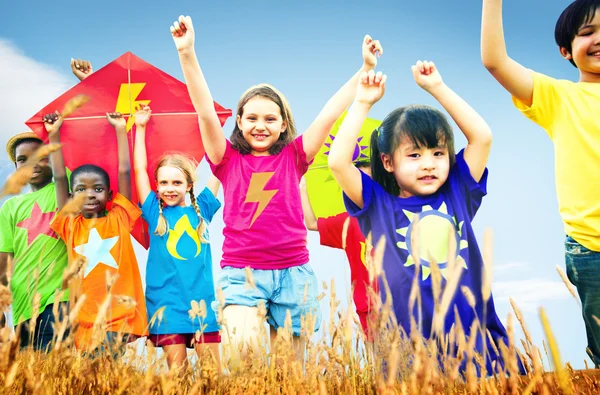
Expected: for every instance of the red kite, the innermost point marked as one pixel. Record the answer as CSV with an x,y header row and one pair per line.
x,y
121,86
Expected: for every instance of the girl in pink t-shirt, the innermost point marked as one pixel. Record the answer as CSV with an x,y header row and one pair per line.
x,y
260,169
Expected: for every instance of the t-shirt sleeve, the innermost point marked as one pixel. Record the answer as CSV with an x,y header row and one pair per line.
x,y
368,192
301,162
150,210
331,230
546,98
220,169
208,204
7,228
125,211
461,178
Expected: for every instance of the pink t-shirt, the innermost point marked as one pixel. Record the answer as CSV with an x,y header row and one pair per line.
x,y
264,222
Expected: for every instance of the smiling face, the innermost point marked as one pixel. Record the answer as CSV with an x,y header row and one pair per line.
x,y
585,49
97,193
42,172
419,171
172,185
261,124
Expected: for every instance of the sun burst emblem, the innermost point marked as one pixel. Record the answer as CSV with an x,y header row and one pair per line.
x,y
360,151
437,230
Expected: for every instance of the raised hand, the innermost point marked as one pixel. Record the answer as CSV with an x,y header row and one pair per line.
x,y
183,33
52,122
116,119
142,116
426,75
81,68
371,87
371,50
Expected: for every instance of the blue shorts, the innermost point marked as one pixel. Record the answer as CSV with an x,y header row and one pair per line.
x,y
280,290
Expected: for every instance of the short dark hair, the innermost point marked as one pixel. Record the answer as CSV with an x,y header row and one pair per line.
x,y
90,169
17,143
572,18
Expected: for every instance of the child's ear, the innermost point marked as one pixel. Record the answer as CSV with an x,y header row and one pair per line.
x,y
110,196
564,52
284,127
387,163
238,120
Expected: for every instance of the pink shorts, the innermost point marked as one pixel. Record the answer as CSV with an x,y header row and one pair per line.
x,y
184,338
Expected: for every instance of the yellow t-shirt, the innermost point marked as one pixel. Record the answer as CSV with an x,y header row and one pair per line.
x,y
570,113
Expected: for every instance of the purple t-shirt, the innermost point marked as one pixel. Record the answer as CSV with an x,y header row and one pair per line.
x,y
443,217
264,222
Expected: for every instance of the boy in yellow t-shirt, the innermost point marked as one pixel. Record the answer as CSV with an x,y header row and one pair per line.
x,y
568,112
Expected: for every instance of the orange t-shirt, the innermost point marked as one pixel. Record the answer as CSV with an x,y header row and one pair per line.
x,y
106,244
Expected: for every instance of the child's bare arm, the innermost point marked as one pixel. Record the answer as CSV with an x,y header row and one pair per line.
x,y
317,132
213,185
116,120
310,219
52,123
5,259
514,77
210,126
371,88
81,68
140,157
473,126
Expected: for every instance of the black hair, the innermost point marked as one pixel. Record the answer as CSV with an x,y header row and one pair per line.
x,y
424,126
23,141
361,164
90,169
572,18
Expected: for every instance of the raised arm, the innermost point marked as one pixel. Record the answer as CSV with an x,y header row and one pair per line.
x,y
213,185
310,219
210,126
515,78
475,129
317,132
52,123
116,120
140,158
371,88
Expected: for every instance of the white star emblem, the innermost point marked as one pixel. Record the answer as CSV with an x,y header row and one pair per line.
x,y
97,250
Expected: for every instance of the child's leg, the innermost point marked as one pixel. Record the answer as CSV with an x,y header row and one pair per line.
x,y
296,291
243,327
583,270
176,356
210,350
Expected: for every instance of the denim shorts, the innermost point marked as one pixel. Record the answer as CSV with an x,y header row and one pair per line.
x,y
279,289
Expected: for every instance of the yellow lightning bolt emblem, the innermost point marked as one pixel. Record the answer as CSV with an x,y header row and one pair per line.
x,y
126,102
182,227
257,194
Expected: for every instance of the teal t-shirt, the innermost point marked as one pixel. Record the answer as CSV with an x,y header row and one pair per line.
x,y
25,232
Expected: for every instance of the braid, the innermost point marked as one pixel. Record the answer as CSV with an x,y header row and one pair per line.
x,y
161,226
201,222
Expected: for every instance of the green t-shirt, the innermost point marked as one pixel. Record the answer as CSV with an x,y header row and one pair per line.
x,y
25,232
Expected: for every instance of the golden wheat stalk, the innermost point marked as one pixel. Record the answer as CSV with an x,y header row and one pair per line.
x,y
563,379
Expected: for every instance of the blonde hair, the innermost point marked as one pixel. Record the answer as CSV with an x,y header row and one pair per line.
x,y
188,167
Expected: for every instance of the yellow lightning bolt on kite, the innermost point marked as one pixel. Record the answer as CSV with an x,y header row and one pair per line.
x,y
257,194
127,103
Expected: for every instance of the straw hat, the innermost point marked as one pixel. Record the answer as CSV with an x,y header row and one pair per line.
x,y
14,140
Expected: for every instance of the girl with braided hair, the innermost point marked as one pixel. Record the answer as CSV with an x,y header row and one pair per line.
x,y
179,269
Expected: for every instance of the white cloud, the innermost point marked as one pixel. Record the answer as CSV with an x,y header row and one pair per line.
x,y
26,85
529,294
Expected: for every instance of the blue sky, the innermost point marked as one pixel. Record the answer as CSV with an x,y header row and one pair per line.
x,y
307,50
